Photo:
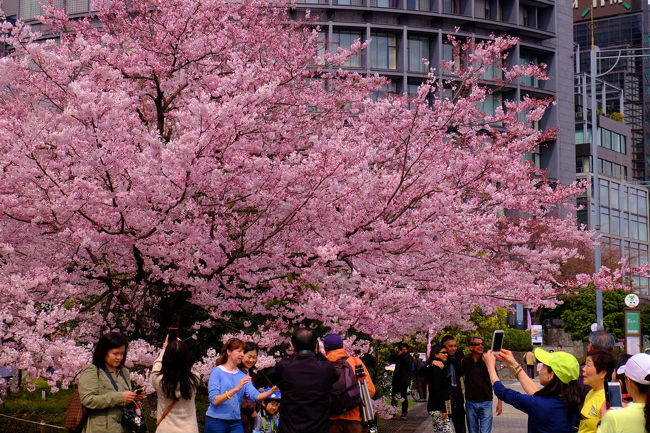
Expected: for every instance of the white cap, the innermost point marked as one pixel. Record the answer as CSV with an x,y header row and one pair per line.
x,y
637,368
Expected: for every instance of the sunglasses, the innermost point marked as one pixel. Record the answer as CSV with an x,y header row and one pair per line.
x,y
444,353
475,344
539,366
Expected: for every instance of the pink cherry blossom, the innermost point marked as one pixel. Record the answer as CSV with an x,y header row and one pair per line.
x,y
204,148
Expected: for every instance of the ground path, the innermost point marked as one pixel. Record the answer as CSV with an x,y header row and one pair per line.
x,y
418,421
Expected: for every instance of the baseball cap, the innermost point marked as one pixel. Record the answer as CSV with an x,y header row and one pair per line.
x,y
275,396
564,365
637,368
332,342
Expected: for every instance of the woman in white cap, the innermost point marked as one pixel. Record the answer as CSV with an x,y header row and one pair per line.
x,y
635,418
555,407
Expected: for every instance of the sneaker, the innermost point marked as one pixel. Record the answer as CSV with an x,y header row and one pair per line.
x,y
402,416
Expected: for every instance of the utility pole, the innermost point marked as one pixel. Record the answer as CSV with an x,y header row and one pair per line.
x,y
595,210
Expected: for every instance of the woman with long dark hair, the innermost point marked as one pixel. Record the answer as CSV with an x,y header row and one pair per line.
x,y
105,386
175,385
249,408
635,417
555,408
439,389
227,387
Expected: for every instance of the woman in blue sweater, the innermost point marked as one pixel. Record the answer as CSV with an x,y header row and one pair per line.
x,y
555,408
226,389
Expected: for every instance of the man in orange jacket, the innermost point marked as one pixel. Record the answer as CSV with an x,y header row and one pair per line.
x,y
349,422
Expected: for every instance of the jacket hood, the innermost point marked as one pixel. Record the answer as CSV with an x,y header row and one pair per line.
x,y
337,354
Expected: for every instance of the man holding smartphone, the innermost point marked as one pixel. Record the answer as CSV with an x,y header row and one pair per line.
x,y
478,389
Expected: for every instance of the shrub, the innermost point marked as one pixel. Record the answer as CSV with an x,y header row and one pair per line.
x,y
517,340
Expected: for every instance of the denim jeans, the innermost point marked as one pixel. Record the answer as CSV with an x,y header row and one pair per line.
x,y
214,425
479,416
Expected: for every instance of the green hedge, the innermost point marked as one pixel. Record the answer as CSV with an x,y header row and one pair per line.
x,y
517,340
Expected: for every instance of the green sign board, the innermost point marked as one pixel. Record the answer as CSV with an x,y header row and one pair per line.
x,y
632,322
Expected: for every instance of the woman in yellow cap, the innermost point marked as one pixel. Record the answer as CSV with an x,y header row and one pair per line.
x,y
555,407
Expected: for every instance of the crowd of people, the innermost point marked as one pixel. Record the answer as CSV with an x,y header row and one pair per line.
x,y
569,398
314,392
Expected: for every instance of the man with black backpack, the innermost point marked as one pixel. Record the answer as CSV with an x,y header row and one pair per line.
x,y
346,394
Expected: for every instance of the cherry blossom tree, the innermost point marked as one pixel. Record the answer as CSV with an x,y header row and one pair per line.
x,y
166,154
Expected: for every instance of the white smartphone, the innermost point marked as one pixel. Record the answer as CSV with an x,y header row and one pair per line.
x,y
497,340
614,396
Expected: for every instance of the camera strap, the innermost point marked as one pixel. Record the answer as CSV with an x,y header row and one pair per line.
x,y
113,380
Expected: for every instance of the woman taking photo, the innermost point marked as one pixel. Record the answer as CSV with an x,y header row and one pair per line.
x,y
175,385
226,389
554,408
439,388
105,386
249,408
597,369
635,417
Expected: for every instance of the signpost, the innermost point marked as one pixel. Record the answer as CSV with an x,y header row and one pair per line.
x,y
632,331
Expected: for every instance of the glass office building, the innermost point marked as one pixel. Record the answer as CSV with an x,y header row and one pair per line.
x,y
615,26
403,32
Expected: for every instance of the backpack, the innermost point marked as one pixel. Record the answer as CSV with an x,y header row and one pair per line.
x,y
75,414
346,394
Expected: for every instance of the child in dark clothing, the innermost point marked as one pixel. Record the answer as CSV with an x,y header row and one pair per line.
x,y
268,418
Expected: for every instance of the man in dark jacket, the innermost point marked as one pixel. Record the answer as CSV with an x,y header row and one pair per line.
x,y
305,383
401,376
457,401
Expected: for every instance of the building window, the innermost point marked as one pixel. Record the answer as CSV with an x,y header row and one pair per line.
x,y
491,103
525,59
451,54
386,89
418,5
527,16
451,7
482,9
345,39
604,220
77,6
383,50
383,3
613,141
418,48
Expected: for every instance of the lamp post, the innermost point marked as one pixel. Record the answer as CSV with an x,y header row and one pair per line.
x,y
595,137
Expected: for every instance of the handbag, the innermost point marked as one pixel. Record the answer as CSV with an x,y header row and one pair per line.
x,y
166,412
75,414
132,420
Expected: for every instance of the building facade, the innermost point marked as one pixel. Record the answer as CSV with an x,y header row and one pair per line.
x,y
620,25
403,32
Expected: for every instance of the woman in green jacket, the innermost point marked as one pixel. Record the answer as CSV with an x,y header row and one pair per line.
x,y
105,386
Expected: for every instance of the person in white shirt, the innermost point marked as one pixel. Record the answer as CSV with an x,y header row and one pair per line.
x,y
175,385
635,417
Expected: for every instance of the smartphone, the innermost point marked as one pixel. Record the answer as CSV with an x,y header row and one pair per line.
x,y
613,395
172,334
497,340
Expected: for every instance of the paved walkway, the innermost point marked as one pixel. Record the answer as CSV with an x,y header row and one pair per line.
x,y
510,421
